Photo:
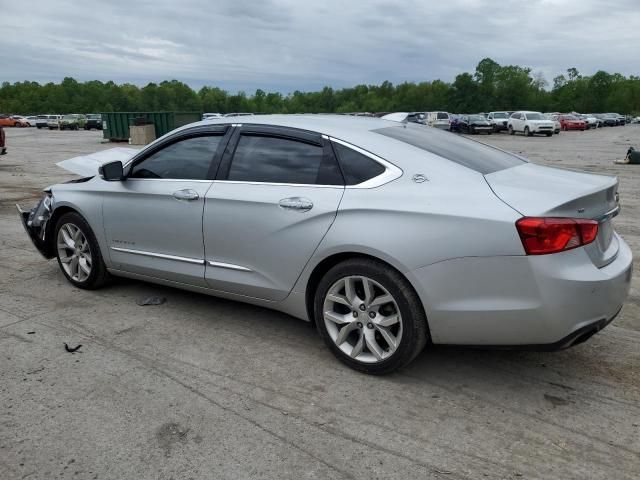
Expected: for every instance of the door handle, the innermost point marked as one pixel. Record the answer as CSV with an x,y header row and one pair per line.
x,y
298,204
186,194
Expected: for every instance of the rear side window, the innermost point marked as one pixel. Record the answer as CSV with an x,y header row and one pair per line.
x,y
443,116
267,159
356,167
469,153
188,159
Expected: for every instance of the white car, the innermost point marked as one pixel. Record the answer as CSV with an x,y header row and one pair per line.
x,y
556,123
439,120
592,122
530,123
499,120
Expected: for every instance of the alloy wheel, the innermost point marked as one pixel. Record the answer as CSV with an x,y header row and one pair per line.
x,y
74,252
363,319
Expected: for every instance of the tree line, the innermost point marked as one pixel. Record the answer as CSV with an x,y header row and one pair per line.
x,y
490,87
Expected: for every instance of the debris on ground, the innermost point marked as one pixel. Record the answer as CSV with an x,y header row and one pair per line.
x,y
152,301
30,333
632,158
71,349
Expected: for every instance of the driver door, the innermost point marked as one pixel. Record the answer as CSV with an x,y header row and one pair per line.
x,y
153,219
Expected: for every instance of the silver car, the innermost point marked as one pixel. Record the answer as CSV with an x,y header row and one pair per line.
x,y
388,236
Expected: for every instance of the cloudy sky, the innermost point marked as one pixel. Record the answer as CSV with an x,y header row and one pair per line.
x,y
286,45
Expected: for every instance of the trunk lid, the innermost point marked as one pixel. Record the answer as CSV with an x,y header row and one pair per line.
x,y
539,191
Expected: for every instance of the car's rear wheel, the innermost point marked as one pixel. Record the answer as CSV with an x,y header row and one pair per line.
x,y
369,316
511,130
78,252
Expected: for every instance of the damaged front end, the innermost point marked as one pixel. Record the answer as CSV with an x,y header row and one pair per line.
x,y
36,224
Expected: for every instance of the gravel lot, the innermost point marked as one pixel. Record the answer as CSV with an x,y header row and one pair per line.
x,y
205,388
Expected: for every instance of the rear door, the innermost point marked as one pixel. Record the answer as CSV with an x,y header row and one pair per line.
x,y
153,219
275,197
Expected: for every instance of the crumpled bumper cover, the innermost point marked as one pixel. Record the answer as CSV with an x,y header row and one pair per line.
x,y
36,222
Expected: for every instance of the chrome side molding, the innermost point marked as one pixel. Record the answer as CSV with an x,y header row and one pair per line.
x,y
229,266
159,255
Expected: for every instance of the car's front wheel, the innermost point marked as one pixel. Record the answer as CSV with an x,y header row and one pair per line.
x,y
78,252
527,132
511,130
369,316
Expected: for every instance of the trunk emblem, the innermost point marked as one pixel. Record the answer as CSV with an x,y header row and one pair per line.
x,y
419,178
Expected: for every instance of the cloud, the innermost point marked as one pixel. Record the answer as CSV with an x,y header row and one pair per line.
x,y
288,45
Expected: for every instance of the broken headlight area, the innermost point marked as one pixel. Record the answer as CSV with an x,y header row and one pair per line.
x,y
36,221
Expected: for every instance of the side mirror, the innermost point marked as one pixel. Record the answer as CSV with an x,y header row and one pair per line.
x,y
112,172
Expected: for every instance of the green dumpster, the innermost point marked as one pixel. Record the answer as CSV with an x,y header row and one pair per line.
x,y
115,125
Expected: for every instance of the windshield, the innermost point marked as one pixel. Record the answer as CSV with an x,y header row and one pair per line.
x,y
535,116
93,116
443,116
570,117
499,115
476,118
69,117
468,153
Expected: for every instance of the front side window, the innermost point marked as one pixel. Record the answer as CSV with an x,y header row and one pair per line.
x,y
443,116
188,159
268,159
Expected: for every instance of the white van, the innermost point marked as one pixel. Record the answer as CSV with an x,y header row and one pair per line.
x,y
439,120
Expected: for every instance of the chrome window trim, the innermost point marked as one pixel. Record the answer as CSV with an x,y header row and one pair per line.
x,y
167,180
159,255
392,172
229,266
242,182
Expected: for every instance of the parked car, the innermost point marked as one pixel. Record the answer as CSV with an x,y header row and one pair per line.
x,y
73,121
571,122
3,140
20,121
93,120
556,123
31,120
237,114
304,218
598,118
42,120
53,121
608,120
620,119
590,120
8,120
473,124
454,122
530,123
438,120
499,120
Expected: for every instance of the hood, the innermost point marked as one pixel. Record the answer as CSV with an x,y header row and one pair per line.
x,y
87,165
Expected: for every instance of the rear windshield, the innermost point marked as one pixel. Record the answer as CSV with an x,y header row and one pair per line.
x,y
443,116
465,152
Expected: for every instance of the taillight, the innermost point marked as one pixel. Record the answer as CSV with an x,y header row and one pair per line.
x,y
542,235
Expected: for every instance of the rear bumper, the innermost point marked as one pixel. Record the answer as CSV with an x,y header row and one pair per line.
x,y
542,302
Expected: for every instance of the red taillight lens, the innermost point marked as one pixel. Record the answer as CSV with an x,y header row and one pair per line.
x,y
551,235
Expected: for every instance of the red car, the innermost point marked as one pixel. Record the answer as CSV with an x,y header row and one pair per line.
x,y
571,122
3,148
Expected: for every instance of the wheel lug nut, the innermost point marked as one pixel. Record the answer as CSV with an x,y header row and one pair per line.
x,y
369,325
372,314
355,314
359,324
362,307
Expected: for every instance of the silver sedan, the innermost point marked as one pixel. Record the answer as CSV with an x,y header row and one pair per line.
x,y
388,236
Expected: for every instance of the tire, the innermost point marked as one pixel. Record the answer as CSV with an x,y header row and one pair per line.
x,y
70,256
549,134
489,133
511,130
50,128
527,132
365,337
38,127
